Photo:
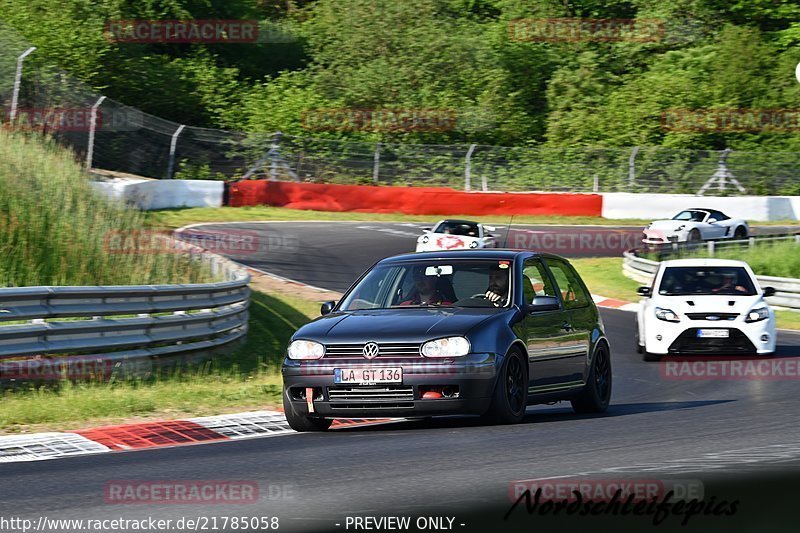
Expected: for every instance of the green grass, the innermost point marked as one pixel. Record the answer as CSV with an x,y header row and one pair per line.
x,y
248,378
55,231
603,276
776,258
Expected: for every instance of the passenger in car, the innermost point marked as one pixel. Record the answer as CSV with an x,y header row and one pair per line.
x,y
425,292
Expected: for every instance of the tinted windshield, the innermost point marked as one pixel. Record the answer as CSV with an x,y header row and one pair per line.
x,y
694,216
731,281
457,283
465,229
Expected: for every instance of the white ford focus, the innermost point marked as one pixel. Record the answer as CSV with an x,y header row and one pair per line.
x,y
705,306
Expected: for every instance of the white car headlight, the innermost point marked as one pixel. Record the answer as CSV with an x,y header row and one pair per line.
x,y
447,347
755,315
667,314
305,350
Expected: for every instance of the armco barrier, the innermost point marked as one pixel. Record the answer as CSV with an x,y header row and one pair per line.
x,y
409,200
787,290
186,320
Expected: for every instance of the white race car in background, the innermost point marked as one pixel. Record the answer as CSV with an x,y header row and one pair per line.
x,y
694,225
456,235
705,306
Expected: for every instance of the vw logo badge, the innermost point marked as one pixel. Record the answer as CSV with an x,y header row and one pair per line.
x,y
371,350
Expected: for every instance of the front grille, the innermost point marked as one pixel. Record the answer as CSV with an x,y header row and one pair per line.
x,y
386,393
387,350
704,316
687,342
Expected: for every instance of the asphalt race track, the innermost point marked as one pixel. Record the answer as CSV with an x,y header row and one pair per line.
x,y
332,254
739,439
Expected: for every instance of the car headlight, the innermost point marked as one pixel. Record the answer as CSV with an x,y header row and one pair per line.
x,y
667,314
473,244
424,239
756,315
305,350
447,347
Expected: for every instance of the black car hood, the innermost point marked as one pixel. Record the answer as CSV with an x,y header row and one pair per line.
x,y
396,325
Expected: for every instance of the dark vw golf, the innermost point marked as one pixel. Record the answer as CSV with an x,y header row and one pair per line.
x,y
482,332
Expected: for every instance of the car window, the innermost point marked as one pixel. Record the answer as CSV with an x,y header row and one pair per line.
x,y
463,229
455,282
569,284
535,281
729,281
694,216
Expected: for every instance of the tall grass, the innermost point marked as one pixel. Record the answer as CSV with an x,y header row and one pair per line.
x,y
55,230
776,258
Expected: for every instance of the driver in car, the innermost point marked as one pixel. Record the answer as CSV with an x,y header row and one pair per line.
x,y
729,284
425,292
497,292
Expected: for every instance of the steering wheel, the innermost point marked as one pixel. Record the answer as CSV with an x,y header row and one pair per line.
x,y
480,295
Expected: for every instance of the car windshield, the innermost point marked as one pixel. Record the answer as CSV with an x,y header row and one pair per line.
x,y
464,229
425,284
694,216
729,281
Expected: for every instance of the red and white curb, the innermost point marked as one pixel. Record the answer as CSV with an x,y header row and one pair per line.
x,y
611,303
154,434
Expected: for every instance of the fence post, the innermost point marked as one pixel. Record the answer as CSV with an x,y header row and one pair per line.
x,y
92,127
711,247
632,168
173,144
468,168
596,184
17,83
376,163
274,156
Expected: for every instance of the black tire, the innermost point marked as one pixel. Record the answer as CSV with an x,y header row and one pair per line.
x,y
302,422
510,397
694,236
595,396
650,357
639,347
740,233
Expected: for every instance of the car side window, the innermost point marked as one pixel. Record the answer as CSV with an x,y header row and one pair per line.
x,y
569,284
535,281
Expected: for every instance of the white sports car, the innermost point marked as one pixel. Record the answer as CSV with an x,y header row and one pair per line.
x,y
705,306
694,225
456,235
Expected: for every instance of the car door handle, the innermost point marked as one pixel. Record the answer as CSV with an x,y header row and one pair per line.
x,y
566,326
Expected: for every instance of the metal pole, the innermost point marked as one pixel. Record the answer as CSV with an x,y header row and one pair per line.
x,y
17,82
468,168
173,144
92,127
596,184
632,168
376,163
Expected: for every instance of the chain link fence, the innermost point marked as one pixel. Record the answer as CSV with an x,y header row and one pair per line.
x,y
112,136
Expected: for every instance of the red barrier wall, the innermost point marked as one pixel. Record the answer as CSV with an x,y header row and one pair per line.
x,y
409,200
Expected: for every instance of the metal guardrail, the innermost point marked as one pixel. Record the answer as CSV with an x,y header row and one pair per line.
x,y
787,290
95,323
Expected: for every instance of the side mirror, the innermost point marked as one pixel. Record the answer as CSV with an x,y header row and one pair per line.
x,y
543,303
712,220
489,228
327,307
643,291
769,291
426,230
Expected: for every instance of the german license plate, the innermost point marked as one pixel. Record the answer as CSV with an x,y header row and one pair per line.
x,y
367,376
713,333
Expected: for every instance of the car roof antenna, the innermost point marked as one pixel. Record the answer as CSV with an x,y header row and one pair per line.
x,y
508,230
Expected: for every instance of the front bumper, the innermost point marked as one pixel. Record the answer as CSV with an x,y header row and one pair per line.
x,y
473,376
744,338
